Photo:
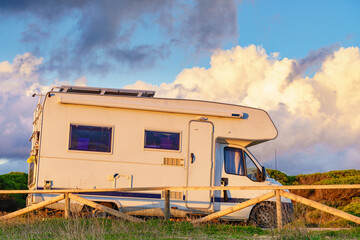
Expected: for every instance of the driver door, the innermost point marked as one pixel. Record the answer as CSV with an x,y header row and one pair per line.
x,y
239,170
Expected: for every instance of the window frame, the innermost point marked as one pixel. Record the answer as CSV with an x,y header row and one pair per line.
x,y
162,149
91,125
242,155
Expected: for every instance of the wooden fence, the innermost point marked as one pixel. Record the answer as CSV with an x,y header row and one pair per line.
x,y
275,191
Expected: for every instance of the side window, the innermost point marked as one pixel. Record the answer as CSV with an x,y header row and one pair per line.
x,y
251,168
162,140
90,138
234,161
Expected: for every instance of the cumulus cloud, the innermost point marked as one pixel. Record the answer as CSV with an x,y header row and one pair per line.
x,y
16,106
105,30
317,118
316,115
19,79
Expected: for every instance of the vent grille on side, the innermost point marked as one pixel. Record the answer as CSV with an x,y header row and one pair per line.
x,y
174,161
173,195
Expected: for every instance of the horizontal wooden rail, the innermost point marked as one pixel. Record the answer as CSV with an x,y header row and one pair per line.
x,y
32,207
104,208
292,187
68,194
321,207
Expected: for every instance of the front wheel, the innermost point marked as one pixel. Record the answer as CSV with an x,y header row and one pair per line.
x,y
264,216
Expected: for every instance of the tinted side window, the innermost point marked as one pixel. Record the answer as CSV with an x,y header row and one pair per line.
x,y
234,162
90,138
162,140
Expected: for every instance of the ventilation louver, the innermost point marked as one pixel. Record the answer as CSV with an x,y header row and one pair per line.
x,y
174,161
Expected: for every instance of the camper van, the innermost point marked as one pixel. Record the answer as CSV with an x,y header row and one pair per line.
x,y
99,138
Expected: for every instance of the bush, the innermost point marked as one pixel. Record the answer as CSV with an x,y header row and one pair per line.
x,y
281,177
352,208
340,180
13,181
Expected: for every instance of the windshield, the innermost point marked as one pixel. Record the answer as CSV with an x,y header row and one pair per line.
x,y
254,158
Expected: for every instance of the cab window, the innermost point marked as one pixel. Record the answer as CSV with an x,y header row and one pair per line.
x,y
234,161
251,168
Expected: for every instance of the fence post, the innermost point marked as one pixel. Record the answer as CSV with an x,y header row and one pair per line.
x,y
167,205
278,209
67,206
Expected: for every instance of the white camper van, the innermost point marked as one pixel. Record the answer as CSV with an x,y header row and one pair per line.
x,y
91,138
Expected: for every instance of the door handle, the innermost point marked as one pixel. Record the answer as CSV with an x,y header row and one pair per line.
x,y
192,156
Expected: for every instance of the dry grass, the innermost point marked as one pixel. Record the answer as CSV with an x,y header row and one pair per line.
x,y
37,227
313,218
40,227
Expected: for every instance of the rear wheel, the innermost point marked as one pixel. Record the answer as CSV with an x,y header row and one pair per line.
x,y
98,214
89,212
264,216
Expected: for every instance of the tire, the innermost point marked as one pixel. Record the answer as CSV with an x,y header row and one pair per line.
x,y
89,212
98,214
264,216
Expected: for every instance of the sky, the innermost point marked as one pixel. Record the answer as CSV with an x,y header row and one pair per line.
x,y
298,60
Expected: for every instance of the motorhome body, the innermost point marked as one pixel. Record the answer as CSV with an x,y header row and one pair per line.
x,y
89,138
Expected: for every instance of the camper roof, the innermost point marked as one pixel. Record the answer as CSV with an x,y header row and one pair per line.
x,y
255,124
106,91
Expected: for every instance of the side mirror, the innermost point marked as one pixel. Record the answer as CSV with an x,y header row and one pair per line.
x,y
261,175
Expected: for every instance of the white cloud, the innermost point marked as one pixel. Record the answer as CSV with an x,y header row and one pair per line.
x,y
315,115
3,161
18,81
141,85
17,76
82,81
5,67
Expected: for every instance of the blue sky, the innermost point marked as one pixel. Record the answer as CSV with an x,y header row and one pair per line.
x,y
120,43
292,28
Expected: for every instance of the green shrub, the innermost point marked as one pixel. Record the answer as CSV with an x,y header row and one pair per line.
x,y
13,181
281,177
352,208
340,180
